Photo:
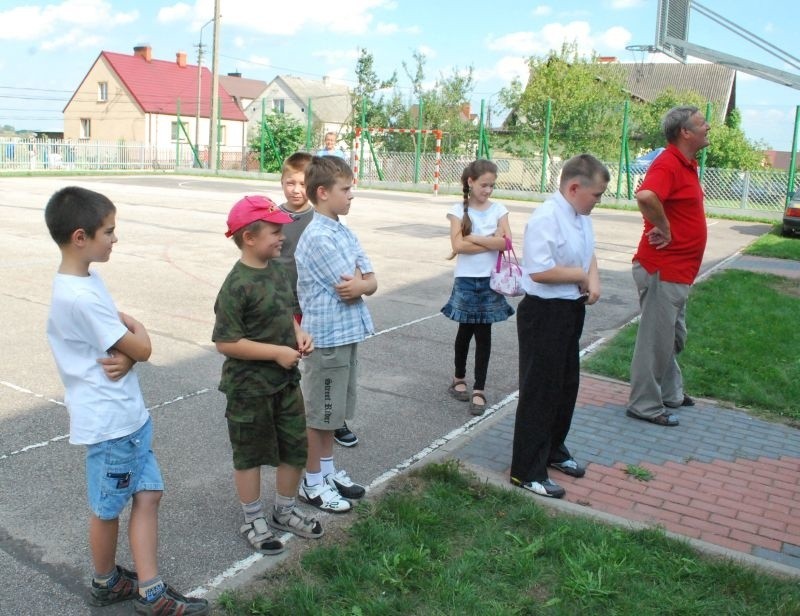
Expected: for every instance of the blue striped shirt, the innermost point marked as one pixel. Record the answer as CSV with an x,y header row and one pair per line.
x,y
327,250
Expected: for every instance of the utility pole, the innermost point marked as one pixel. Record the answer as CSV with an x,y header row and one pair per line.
x,y
200,48
212,140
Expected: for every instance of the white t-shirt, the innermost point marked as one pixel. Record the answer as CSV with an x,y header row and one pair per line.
x,y
82,326
556,235
484,222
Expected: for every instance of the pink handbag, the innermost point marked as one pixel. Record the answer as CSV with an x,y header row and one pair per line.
x,y
506,277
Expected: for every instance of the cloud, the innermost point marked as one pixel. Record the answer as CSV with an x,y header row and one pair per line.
x,y
618,5
176,12
506,69
35,23
428,52
307,18
336,56
552,36
74,38
542,11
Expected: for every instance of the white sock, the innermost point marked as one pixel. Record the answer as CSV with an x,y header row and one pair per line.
x,y
326,466
313,479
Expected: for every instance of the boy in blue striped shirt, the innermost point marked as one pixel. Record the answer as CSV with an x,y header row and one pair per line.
x,y
333,276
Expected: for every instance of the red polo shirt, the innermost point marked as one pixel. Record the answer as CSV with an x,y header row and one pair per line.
x,y
673,178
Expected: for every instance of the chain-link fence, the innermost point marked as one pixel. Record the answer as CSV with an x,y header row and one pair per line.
x,y
55,154
724,188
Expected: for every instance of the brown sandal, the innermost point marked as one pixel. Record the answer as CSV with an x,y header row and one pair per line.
x,y
477,409
665,419
462,396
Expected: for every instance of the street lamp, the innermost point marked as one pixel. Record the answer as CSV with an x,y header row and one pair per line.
x,y
199,88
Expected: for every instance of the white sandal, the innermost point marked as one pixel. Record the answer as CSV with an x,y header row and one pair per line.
x,y
260,537
310,528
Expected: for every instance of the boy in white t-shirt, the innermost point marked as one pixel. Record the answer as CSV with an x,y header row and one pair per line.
x,y
95,347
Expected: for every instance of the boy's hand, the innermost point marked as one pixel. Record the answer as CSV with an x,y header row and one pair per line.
x,y
305,343
349,290
287,357
116,365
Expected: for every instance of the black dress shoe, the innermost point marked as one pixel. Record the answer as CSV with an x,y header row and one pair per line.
x,y
687,401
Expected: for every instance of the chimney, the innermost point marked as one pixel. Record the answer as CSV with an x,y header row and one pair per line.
x,y
143,51
236,74
607,59
326,81
180,59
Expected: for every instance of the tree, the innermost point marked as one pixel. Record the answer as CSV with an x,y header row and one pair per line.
x,y
728,149
586,109
282,136
366,97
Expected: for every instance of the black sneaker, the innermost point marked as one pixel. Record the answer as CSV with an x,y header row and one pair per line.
x,y
172,603
126,588
569,467
546,487
345,437
341,482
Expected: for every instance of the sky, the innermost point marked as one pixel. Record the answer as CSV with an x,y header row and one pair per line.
x,y
48,47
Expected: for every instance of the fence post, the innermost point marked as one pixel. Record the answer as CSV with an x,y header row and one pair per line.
x,y
547,120
704,152
309,126
623,151
418,148
793,156
363,130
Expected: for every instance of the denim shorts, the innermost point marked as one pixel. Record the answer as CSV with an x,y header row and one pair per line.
x,y
117,469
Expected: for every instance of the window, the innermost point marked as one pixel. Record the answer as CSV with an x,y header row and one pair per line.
x,y
102,91
176,133
221,136
86,128
277,105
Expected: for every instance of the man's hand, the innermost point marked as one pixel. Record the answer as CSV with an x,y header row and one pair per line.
x,y
116,365
658,238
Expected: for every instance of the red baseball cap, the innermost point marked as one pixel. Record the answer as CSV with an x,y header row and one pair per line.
x,y
253,208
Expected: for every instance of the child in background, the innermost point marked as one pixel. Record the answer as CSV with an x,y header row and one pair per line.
x,y
262,342
333,275
95,347
478,228
293,182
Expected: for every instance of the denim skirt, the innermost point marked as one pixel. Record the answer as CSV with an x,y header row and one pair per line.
x,y
473,301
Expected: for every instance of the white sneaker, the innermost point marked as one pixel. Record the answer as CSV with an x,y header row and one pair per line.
x,y
341,482
323,497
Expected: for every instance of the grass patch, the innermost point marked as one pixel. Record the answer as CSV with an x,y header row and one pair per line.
x,y
742,343
638,472
439,542
774,245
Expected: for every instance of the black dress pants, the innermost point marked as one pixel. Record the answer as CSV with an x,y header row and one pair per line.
x,y
549,332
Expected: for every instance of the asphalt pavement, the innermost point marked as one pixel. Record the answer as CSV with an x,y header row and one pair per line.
x,y
166,269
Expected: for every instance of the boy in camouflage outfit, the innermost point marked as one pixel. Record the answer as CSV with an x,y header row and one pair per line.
x,y
263,344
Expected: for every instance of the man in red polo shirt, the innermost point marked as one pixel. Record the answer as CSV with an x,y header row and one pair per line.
x,y
665,266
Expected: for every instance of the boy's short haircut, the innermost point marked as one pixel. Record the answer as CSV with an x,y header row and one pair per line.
x,y
73,208
296,162
586,168
254,227
323,171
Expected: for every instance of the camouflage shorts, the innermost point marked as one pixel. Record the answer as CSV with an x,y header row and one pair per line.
x,y
268,430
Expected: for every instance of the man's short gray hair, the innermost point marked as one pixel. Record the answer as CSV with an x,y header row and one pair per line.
x,y
675,119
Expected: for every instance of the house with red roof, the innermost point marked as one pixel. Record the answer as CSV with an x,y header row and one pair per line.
x,y
136,98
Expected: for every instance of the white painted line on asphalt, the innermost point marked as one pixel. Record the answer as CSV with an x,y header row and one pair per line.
x,y
243,565
61,437
402,325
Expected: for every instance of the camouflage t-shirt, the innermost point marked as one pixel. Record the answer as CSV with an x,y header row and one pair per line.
x,y
255,304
